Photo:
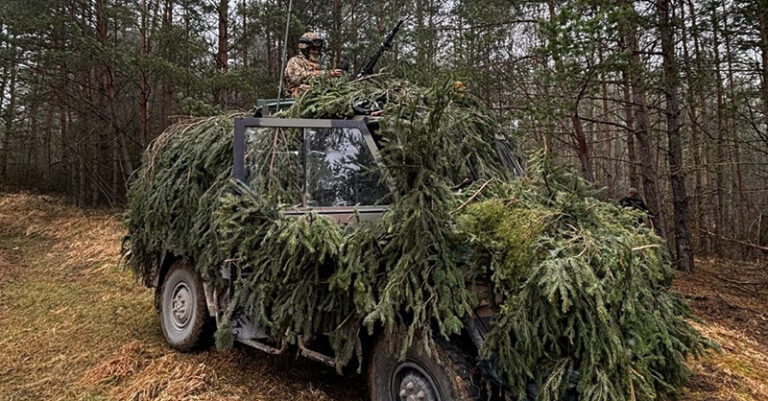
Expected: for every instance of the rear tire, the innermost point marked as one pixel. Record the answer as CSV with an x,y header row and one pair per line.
x,y
183,310
446,375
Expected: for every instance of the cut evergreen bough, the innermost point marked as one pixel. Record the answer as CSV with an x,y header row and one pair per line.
x,y
582,287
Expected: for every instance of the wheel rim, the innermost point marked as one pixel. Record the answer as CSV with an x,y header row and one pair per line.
x,y
181,306
411,382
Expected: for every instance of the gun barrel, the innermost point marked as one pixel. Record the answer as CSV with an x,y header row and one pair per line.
x,y
387,44
392,33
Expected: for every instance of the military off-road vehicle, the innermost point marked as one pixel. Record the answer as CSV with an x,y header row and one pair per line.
x,y
339,171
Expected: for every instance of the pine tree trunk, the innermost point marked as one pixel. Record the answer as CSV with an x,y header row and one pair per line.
x,y
143,80
717,191
65,160
693,106
675,154
380,17
337,34
163,83
49,148
701,148
739,204
634,178
606,136
642,128
187,45
222,54
582,149
762,18
81,194
580,139
270,46
10,116
31,145
4,78
115,170
109,86
245,39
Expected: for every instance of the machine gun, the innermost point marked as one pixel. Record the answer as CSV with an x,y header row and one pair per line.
x,y
387,44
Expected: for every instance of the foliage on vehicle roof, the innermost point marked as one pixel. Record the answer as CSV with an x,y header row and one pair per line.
x,y
462,120
173,196
575,283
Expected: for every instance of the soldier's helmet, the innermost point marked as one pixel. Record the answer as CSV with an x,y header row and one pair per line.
x,y
309,40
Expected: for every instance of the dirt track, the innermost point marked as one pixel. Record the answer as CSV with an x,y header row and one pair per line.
x,y
74,326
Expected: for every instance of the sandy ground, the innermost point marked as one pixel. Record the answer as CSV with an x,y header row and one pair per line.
x,y
75,326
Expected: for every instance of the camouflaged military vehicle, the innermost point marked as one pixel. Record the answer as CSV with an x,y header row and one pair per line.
x,y
337,172
381,222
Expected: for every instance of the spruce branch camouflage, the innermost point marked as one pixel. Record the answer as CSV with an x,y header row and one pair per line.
x,y
574,284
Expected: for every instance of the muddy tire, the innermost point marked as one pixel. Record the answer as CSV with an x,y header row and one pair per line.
x,y
446,375
183,311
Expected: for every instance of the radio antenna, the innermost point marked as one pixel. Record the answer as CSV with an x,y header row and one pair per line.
x,y
285,53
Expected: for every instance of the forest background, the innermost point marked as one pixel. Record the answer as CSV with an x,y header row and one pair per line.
x,y
668,96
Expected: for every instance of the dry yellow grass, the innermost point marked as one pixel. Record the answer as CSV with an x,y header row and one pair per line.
x,y
126,362
732,301
74,326
739,373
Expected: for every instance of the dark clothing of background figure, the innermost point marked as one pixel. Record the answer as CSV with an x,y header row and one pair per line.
x,y
633,203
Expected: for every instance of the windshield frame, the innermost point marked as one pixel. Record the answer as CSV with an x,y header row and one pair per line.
x,y
506,155
243,123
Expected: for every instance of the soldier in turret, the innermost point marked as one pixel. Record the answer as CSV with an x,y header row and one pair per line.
x,y
303,66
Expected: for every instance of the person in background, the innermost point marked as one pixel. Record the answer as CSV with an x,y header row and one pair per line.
x,y
303,66
633,200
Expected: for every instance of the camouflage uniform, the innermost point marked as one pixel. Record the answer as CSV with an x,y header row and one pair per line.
x,y
298,71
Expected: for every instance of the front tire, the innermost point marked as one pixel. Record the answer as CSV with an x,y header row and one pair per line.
x,y
446,375
183,310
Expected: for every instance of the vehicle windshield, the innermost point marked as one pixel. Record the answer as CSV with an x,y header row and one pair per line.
x,y
340,169
508,158
333,166
313,167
